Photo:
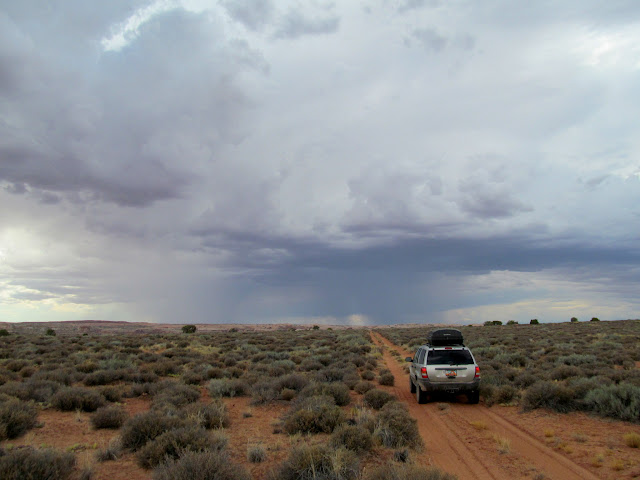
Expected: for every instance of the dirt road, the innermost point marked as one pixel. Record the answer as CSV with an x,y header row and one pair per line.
x,y
474,442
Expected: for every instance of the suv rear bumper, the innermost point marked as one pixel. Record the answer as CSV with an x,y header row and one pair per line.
x,y
427,385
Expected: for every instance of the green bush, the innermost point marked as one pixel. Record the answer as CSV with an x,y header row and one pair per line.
x,y
50,332
4,332
189,329
172,444
574,319
616,401
317,414
376,398
408,472
534,321
396,428
144,427
29,464
77,398
175,394
109,417
595,319
16,417
319,462
352,437
363,387
200,466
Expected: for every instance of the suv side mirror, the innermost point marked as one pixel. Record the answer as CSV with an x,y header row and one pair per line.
x,y
408,359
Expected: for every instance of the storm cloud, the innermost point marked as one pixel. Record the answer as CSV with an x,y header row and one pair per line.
x,y
242,161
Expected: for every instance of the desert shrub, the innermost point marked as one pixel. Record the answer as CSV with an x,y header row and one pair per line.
x,y
4,332
256,454
225,387
317,414
501,394
27,463
175,394
144,427
524,380
616,401
189,329
41,390
408,472
50,332
368,375
16,417
396,428
319,462
363,386
212,415
111,452
111,394
577,359
565,371
109,417
352,437
338,391
200,466
172,444
386,379
376,398
165,367
192,378
77,398
105,377
552,395
293,381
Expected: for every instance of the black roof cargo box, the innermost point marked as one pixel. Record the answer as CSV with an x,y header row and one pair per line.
x,y
444,336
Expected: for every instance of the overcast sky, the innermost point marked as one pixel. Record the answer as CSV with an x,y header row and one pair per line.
x,y
382,161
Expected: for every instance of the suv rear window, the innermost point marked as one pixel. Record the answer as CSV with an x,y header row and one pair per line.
x,y
449,357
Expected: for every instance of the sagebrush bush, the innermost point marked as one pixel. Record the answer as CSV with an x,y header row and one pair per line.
x,y
386,379
172,444
352,437
616,401
175,394
363,386
552,395
319,462
338,391
16,417
26,463
109,417
209,416
396,428
77,398
317,414
376,398
408,472
225,387
200,466
144,427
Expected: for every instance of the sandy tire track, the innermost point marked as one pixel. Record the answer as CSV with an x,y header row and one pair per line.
x,y
455,446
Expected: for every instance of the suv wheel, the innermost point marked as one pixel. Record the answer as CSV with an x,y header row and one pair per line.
x,y
473,397
421,396
412,387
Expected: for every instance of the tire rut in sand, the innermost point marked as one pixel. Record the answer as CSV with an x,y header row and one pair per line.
x,y
455,446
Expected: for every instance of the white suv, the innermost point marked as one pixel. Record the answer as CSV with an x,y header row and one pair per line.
x,y
444,368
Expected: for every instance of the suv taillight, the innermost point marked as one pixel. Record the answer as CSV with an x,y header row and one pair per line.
x,y
477,372
423,372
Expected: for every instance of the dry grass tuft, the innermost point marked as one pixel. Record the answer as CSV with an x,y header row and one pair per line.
x,y
504,444
479,424
632,440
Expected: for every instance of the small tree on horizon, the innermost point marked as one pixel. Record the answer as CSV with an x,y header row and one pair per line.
x,y
534,321
574,319
595,319
189,329
51,332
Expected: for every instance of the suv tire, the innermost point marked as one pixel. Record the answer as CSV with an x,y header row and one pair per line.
x,y
473,397
412,387
421,396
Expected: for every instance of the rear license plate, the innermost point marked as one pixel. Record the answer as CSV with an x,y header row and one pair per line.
x,y
451,373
